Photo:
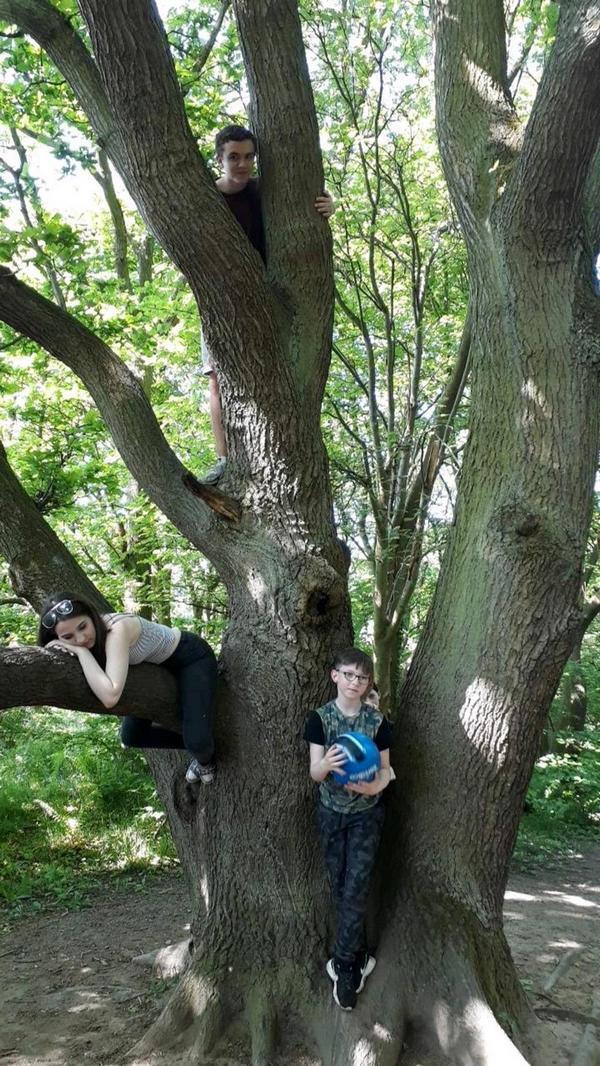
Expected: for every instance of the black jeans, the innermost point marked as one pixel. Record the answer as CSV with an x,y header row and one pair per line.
x,y
350,843
194,665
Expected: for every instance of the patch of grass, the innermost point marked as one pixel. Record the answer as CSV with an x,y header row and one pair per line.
x,y
74,810
563,801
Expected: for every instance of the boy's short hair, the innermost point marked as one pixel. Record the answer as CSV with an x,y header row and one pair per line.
x,y
354,657
232,133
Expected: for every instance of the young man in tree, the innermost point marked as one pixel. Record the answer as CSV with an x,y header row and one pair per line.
x,y
350,817
235,149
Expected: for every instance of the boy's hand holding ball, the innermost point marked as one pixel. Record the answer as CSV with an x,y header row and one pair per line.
x,y
334,759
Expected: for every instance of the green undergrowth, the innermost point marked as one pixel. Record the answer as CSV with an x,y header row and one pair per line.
x,y
562,813
76,811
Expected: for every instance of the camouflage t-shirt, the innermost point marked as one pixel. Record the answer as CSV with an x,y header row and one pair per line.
x,y
324,726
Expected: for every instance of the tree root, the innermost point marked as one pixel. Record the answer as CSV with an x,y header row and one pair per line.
x,y
195,1002
262,1022
194,1017
559,971
448,1022
588,1050
170,961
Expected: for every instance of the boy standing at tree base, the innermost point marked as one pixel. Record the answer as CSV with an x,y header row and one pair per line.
x,y
350,817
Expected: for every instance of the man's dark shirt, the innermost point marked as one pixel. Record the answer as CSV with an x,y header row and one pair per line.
x,y
247,208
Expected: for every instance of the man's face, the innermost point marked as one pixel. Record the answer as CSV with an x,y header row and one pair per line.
x,y
237,159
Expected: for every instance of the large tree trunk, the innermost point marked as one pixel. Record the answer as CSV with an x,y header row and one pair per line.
x,y
501,625
506,607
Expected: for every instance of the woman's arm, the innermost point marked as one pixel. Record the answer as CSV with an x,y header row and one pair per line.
x,y
107,684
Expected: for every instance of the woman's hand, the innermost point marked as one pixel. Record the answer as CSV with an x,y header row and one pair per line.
x,y
63,645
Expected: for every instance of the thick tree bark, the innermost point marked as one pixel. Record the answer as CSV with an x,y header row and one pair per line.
x,y
258,898
504,614
506,606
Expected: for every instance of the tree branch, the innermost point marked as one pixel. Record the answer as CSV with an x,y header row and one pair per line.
x,y
475,117
299,245
121,239
54,33
547,186
122,403
420,490
36,677
214,33
38,560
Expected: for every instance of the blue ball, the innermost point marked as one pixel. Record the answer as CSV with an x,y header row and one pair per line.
x,y
363,758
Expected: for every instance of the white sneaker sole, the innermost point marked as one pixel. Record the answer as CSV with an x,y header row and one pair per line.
x,y
371,964
203,779
332,974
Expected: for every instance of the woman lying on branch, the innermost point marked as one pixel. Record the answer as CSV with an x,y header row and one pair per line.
x,y
107,645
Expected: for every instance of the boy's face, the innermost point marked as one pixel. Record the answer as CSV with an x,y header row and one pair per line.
x,y
237,159
351,681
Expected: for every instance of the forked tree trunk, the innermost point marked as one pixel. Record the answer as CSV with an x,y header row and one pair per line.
x,y
506,606
501,626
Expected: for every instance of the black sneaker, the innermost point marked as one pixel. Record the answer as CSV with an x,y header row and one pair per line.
x,y
364,964
344,991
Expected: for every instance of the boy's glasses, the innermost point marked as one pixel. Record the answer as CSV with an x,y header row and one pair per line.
x,y
60,610
350,676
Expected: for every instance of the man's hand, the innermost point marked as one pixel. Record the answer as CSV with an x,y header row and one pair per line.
x,y
325,205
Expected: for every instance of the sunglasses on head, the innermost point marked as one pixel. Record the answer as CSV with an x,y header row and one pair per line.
x,y
60,610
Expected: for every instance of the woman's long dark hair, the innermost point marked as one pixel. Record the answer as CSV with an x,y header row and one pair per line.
x,y
79,607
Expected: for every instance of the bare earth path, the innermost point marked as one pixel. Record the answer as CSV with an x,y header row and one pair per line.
x,y
70,994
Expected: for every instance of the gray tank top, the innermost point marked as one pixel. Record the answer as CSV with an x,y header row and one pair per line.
x,y
155,643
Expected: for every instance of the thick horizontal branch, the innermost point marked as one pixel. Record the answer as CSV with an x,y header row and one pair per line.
x,y
38,677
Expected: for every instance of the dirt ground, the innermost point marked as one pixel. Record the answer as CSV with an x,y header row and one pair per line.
x,y
70,994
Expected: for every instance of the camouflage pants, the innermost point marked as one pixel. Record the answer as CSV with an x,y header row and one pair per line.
x,y
350,843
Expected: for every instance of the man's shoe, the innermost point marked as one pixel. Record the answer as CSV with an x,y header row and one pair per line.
x,y
344,991
197,771
216,472
364,964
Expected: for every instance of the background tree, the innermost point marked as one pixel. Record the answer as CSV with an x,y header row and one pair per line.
x,y
401,290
